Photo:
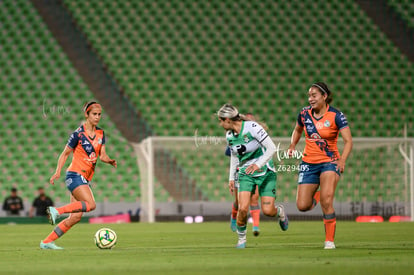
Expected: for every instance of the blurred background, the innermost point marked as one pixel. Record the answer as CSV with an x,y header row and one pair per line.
x,y
163,68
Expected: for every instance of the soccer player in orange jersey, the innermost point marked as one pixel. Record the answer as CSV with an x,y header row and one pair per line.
x,y
321,164
87,144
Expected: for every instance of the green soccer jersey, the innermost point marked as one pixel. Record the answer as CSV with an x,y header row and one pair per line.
x,y
247,146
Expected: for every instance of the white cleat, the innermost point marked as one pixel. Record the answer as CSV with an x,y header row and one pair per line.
x,y
241,243
329,245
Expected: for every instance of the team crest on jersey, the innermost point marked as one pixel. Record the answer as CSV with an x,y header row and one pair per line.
x,y
246,138
100,141
327,123
308,120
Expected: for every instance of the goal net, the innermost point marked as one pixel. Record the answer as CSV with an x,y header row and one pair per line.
x,y
189,176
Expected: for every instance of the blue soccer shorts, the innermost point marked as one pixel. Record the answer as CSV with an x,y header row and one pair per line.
x,y
74,180
311,173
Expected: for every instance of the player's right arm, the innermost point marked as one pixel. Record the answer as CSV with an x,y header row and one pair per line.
x,y
296,134
61,161
234,163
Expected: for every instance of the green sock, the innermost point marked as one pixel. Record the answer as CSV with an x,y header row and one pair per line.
x,y
241,231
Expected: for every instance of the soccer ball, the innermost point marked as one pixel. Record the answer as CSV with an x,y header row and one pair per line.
x,y
105,238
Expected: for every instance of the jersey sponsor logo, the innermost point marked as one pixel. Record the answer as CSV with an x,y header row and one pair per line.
x,y
85,142
315,136
308,120
239,149
319,125
262,133
327,123
310,127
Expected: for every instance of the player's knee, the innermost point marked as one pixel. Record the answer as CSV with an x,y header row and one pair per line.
x,y
269,211
303,207
92,205
242,213
254,201
326,203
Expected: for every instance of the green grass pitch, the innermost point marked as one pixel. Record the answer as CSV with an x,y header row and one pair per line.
x,y
208,248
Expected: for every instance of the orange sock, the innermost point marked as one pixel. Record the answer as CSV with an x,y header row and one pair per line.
x,y
77,206
255,214
234,210
59,230
329,222
316,198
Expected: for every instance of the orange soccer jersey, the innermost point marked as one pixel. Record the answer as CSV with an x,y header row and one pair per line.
x,y
321,134
86,150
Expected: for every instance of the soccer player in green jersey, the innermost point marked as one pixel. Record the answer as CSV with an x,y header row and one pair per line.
x,y
251,152
254,200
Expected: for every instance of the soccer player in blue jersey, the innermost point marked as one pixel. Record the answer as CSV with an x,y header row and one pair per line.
x,y
321,164
251,152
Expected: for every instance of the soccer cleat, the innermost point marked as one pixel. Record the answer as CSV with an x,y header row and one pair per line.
x,y
329,245
53,214
256,231
50,245
233,224
241,243
283,218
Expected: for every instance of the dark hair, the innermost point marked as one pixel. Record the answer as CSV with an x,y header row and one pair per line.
x,y
87,105
323,88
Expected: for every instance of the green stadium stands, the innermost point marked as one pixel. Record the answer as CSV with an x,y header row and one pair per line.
x,y
227,51
42,98
178,62
182,60
406,9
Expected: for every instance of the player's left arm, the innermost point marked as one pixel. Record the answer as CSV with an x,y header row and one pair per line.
x,y
347,138
342,124
270,148
105,158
